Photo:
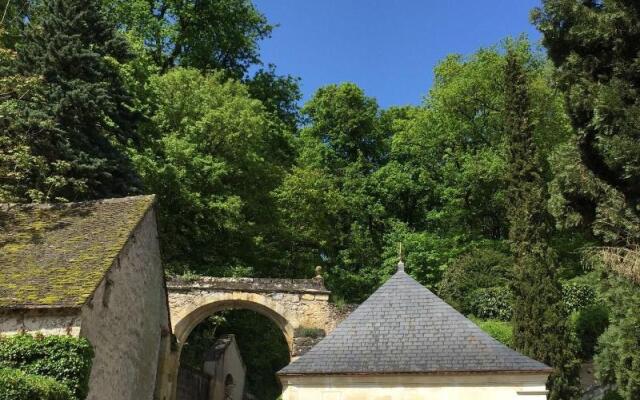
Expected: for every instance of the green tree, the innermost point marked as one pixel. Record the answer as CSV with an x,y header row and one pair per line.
x,y
446,181
13,17
220,35
326,202
594,44
539,321
75,126
20,119
618,358
207,35
213,160
279,94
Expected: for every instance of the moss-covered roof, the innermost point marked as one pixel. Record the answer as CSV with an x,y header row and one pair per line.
x,y
56,255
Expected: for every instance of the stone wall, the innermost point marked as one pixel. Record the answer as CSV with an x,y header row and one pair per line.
x,y
126,319
46,322
291,304
294,305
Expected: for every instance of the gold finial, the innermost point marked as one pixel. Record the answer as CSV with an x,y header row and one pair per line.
x,y
400,257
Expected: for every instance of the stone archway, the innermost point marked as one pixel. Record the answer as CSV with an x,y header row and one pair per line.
x,y
296,306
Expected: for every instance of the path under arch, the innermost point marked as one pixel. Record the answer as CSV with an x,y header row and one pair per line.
x,y
296,306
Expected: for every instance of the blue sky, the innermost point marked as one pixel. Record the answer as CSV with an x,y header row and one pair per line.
x,y
387,47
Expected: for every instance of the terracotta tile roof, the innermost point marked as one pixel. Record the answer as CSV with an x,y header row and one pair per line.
x,y
403,328
56,255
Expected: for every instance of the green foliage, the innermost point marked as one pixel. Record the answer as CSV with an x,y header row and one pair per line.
x,y
594,45
63,358
502,331
326,201
278,94
311,332
492,303
610,395
480,268
588,324
65,139
209,35
201,340
577,296
618,358
17,385
261,342
214,157
539,318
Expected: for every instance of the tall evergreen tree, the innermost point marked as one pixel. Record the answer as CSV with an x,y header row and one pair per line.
x,y
596,46
539,320
75,53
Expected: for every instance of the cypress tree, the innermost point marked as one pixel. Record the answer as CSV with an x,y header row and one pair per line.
x,y
76,53
539,319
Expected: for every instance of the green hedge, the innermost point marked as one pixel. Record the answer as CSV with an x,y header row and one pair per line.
x,y
492,303
501,331
18,385
588,325
63,358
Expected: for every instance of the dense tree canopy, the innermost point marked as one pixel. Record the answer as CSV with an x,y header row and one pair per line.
x,y
595,47
207,35
214,155
538,317
504,188
71,131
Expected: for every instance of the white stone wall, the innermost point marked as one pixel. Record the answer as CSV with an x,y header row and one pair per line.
x,y
43,322
125,320
412,387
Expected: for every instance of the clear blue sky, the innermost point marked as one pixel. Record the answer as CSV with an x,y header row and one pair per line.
x,y
387,47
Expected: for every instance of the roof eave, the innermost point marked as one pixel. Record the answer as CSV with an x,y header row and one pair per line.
x,y
39,307
541,371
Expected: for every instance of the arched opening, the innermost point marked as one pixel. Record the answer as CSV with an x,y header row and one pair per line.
x,y
263,340
185,323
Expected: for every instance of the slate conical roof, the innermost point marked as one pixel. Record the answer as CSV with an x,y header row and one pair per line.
x,y
405,328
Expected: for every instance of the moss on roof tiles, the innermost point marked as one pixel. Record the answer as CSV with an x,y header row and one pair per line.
x,y
56,255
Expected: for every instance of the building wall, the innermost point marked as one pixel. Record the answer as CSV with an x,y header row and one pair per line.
x,y
126,319
443,387
229,363
40,321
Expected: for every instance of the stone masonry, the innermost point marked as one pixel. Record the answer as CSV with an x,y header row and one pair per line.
x,y
299,307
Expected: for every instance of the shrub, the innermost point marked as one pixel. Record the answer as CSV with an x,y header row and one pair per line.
x,y
18,385
618,352
589,323
577,296
612,396
484,266
314,333
63,358
499,330
492,303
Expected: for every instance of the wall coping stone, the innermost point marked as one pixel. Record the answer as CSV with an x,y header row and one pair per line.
x,y
252,285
